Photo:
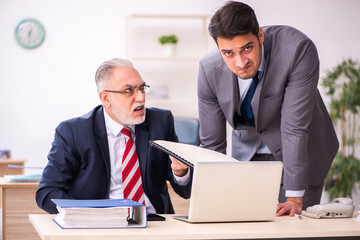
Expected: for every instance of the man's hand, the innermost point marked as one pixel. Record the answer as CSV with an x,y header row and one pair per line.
x,y
178,167
291,206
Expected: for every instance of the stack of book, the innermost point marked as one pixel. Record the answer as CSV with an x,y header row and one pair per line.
x,y
104,213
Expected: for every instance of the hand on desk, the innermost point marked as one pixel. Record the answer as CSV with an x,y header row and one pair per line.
x,y
291,206
178,167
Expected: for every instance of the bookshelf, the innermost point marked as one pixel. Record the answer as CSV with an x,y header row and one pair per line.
x,y
176,76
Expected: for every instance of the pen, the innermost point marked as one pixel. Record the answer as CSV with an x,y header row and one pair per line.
x,y
17,166
298,216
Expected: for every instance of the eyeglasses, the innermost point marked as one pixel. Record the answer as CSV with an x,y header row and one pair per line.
x,y
132,90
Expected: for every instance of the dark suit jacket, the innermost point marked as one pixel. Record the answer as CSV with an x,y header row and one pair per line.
x,y
79,162
290,116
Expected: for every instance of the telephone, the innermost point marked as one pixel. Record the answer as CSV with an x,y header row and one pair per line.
x,y
338,208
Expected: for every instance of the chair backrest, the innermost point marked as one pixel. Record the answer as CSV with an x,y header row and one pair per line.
x,y
187,130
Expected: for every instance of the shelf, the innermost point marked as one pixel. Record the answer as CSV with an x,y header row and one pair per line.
x,y
143,32
167,16
173,79
180,108
164,59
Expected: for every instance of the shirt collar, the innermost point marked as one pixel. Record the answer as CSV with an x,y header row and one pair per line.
x,y
114,127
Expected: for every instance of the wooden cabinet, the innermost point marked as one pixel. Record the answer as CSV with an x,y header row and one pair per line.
x,y
5,170
18,201
181,205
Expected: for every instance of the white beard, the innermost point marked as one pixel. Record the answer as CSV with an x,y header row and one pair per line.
x,y
129,120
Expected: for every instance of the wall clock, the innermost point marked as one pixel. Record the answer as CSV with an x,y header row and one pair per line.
x,y
29,33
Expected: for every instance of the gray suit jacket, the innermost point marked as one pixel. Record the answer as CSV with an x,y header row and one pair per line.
x,y
290,116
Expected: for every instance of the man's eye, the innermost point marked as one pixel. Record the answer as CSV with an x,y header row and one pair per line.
x,y
248,48
228,54
128,90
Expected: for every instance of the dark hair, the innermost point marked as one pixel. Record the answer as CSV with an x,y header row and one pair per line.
x,y
233,19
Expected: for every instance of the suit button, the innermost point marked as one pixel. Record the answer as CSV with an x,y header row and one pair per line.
x,y
262,131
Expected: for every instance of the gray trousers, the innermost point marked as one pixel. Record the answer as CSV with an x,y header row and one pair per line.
x,y
312,194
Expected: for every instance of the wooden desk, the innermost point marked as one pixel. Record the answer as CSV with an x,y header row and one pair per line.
x,y
181,205
4,170
18,201
281,227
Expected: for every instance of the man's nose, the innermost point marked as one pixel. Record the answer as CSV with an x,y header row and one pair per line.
x,y
139,96
241,61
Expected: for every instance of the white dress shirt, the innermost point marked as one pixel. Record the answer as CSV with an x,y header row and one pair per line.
x,y
116,141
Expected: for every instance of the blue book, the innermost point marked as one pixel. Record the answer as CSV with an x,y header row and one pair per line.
x,y
95,203
100,213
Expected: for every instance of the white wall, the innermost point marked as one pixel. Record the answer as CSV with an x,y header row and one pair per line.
x,y
41,87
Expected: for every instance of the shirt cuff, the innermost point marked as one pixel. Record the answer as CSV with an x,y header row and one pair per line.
x,y
184,180
290,193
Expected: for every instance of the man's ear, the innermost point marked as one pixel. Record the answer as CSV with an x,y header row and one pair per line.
x,y
261,35
105,98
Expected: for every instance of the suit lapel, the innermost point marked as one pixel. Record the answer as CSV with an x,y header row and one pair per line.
x,y
255,103
100,131
228,91
142,144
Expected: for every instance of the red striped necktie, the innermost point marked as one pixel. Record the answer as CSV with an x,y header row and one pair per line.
x,y
131,175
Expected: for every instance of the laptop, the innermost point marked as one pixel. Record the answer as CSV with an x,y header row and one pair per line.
x,y
234,191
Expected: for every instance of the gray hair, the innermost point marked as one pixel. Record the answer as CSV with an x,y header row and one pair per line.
x,y
102,74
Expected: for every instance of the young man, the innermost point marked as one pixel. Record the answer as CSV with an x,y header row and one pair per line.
x,y
263,82
105,153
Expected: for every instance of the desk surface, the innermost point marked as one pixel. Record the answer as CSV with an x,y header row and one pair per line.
x,y
4,183
281,227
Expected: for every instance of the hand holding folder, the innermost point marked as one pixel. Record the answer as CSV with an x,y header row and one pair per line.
x,y
190,154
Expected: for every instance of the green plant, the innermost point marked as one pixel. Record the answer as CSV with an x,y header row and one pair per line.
x,y
343,87
165,39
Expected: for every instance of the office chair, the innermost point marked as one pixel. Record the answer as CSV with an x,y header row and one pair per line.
x,y
187,130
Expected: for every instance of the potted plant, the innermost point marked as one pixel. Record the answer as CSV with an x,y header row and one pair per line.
x,y
168,42
343,87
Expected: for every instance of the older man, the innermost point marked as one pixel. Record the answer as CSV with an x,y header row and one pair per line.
x,y
105,153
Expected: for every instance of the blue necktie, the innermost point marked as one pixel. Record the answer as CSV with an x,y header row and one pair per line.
x,y
246,109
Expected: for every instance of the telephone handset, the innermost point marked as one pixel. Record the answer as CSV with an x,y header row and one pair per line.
x,y
338,208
